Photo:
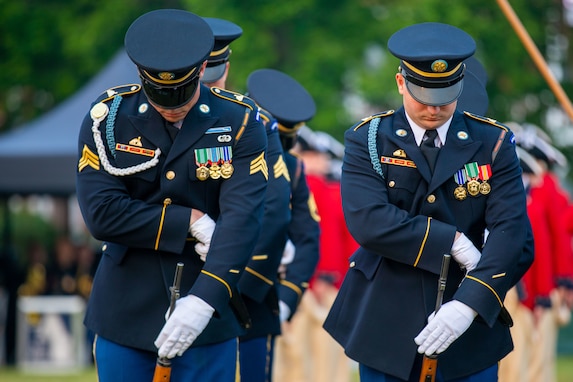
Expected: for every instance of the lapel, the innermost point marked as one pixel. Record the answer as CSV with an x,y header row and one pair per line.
x,y
402,136
460,147
458,150
151,126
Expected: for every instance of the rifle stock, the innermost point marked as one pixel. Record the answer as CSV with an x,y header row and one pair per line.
x,y
162,371
430,363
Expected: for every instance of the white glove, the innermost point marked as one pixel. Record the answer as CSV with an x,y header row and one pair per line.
x,y
288,253
284,311
202,230
444,327
188,320
465,253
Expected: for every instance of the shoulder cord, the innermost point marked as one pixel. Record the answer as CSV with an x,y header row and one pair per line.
x,y
372,131
109,133
110,124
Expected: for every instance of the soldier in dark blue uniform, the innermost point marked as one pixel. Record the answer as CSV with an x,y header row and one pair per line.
x,y
258,283
218,62
408,201
280,296
170,171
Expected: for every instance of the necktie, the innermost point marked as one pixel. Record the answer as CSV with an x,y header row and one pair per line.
x,y
171,129
429,148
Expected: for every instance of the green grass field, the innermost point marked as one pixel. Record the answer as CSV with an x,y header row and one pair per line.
x,y
564,366
564,374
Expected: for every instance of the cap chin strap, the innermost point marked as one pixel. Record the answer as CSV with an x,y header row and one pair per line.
x,y
431,85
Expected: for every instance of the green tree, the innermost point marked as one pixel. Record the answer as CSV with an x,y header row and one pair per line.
x,y
337,50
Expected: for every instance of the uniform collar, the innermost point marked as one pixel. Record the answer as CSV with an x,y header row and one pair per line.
x,y
420,131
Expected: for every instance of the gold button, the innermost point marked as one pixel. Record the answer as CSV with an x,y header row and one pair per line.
x,y
167,201
431,199
170,175
391,183
352,264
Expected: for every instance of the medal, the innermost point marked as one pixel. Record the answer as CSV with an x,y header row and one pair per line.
x,y
472,174
484,175
227,168
214,160
202,173
215,171
460,192
201,160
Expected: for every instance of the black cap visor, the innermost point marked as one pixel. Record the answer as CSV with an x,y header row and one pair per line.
x,y
213,73
170,97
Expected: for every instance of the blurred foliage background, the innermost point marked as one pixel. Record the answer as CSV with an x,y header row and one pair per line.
x,y
49,49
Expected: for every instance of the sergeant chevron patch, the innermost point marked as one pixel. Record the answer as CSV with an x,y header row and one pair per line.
x,y
260,164
88,159
280,169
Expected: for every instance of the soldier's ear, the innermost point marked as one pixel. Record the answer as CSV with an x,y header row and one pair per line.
x,y
401,83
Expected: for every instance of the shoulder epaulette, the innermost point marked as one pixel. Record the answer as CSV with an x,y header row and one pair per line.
x,y
121,90
368,119
234,97
265,115
487,120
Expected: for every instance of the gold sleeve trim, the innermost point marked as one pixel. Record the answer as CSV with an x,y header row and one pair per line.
x,y
166,202
220,280
423,243
292,286
243,125
257,274
488,287
313,208
260,257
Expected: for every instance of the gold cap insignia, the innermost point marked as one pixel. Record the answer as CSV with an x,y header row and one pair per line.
x,y
166,76
439,66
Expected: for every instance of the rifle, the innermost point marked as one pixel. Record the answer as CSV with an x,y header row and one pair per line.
x,y
163,365
430,363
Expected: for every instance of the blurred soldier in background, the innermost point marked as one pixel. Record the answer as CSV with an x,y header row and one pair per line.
x,y
310,354
258,284
541,300
291,105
